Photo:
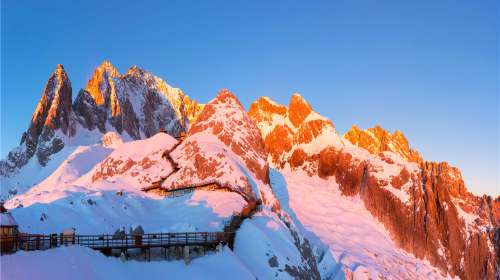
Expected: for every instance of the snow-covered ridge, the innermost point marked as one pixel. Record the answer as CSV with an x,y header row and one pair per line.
x,y
98,190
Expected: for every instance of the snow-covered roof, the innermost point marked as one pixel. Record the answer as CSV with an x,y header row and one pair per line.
x,y
6,220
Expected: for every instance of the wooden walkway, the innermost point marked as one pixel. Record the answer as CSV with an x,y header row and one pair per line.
x,y
106,242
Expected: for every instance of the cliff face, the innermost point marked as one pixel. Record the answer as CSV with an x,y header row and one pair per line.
x,y
424,205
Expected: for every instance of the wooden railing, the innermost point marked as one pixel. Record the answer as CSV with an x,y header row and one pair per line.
x,y
30,242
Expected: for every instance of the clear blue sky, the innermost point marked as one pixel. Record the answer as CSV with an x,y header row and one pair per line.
x,y
429,68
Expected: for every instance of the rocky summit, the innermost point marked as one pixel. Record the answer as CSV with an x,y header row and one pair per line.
x,y
377,140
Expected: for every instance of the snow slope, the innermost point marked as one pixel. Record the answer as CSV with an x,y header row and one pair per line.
x,y
82,263
86,146
347,237
103,197
96,212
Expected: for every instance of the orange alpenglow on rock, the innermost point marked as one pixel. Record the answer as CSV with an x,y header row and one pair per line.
x,y
377,140
292,132
55,102
101,83
53,112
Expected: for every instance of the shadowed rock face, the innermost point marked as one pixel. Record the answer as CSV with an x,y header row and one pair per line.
x,y
136,103
433,217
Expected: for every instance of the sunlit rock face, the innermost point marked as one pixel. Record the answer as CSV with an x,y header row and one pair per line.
x,y
424,205
292,134
377,140
101,85
223,147
137,102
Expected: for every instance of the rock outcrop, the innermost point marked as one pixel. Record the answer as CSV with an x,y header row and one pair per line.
x,y
424,205
292,134
136,163
377,140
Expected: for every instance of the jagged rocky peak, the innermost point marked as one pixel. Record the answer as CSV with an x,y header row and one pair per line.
x,y
100,84
268,114
292,132
298,109
50,121
377,140
53,109
449,176
53,112
135,71
137,103
225,117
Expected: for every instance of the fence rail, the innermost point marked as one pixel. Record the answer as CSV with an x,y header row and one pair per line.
x,y
30,242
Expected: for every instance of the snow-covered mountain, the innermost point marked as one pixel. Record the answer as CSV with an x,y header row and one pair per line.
x,y
135,105
222,148
314,204
424,206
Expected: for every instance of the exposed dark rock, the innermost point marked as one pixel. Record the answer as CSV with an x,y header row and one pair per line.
x,y
273,262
